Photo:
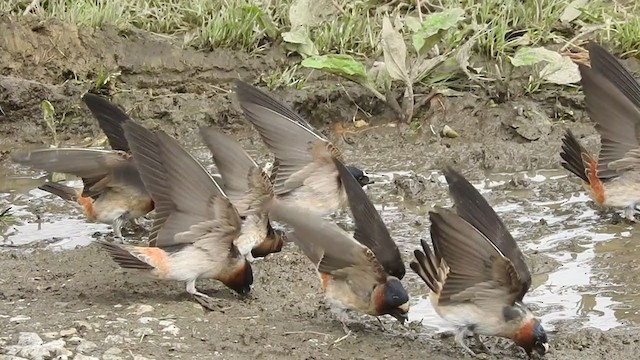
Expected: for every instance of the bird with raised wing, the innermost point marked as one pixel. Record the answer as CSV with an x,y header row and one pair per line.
x,y
195,225
249,190
476,273
359,272
112,192
303,171
612,96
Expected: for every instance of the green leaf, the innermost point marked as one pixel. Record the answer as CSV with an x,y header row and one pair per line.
x,y
413,23
300,42
558,70
311,12
443,20
394,51
433,28
379,76
527,56
338,64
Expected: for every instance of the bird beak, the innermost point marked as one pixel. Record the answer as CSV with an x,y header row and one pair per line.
x,y
399,315
539,351
365,180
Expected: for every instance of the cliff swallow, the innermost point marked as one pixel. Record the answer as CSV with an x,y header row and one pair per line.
x,y
359,272
476,272
113,192
304,172
612,96
195,225
249,190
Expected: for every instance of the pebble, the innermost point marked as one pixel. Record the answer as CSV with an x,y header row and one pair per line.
x,y
143,308
68,332
19,319
82,325
142,332
51,335
112,354
114,339
29,338
165,322
86,347
140,357
171,329
84,357
146,320
76,340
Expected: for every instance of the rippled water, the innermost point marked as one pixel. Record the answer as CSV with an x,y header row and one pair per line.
x,y
585,268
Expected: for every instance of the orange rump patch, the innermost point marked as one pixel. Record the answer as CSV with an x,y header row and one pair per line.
x,y
325,278
87,206
157,258
597,188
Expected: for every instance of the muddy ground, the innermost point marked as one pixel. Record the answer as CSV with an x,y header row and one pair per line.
x,y
81,297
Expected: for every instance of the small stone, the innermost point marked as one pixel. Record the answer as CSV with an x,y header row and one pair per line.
x,y
171,329
140,332
111,357
51,335
11,357
55,344
84,357
146,320
82,325
19,319
86,347
114,339
35,352
140,357
61,357
29,338
75,340
141,309
113,351
68,332
165,323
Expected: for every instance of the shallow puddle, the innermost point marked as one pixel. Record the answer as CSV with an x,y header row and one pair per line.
x,y
584,267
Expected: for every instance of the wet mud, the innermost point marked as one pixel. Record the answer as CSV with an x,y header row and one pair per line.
x,y
56,283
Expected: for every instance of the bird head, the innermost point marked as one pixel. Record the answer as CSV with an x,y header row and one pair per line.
x,y
359,175
241,279
391,298
532,338
272,243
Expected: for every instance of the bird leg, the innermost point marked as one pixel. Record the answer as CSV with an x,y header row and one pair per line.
x,y
630,213
381,324
459,338
140,224
117,228
203,299
482,345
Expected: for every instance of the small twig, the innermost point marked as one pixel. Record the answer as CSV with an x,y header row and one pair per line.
x,y
419,7
571,42
306,332
339,340
339,7
31,6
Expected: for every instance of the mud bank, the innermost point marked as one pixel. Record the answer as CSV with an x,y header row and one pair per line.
x,y
79,296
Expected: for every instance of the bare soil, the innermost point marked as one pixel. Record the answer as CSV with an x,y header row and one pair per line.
x,y
82,297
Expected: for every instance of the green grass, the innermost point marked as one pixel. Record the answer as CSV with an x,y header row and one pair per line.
x,y
255,25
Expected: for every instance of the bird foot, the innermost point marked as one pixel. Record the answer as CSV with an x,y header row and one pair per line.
x,y
381,324
208,302
459,338
484,347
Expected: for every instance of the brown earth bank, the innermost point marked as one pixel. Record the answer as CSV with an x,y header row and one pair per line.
x,y
83,299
